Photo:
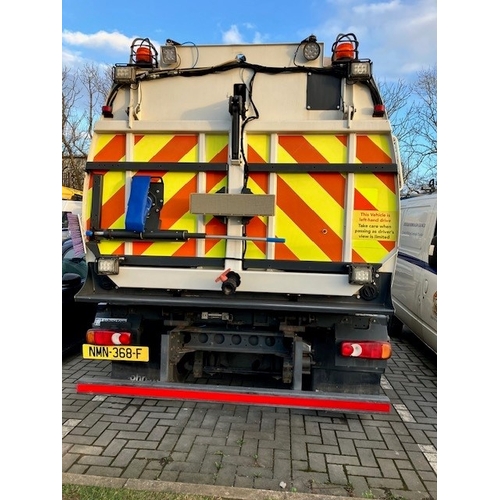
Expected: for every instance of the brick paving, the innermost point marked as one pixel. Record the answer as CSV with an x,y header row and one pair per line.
x,y
277,449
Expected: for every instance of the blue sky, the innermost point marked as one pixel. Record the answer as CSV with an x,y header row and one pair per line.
x,y
399,36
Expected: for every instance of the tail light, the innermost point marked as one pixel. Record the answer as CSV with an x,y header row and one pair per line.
x,y
378,110
107,112
108,337
366,349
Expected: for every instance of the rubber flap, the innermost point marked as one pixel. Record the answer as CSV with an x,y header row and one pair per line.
x,y
138,204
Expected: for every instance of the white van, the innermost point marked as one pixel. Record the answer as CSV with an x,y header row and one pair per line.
x,y
414,290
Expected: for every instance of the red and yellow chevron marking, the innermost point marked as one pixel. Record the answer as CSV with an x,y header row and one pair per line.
x,y
374,148
258,151
166,147
258,148
257,227
216,148
310,209
108,147
112,208
216,151
310,216
178,186
312,148
175,215
375,217
309,206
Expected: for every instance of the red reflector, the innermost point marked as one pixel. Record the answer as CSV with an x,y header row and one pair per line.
x,y
108,337
366,349
378,110
280,398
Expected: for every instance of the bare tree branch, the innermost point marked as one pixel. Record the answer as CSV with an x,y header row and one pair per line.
x,y
84,91
412,110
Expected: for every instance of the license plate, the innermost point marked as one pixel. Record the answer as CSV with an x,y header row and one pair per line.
x,y
115,352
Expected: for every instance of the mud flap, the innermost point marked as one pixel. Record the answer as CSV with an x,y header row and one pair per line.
x,y
332,372
139,204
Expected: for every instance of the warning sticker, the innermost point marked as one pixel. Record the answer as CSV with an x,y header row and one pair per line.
x,y
374,225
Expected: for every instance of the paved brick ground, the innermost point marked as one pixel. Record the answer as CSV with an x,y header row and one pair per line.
x,y
392,456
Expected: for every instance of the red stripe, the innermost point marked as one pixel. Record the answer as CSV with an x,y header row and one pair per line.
x,y
333,183
292,401
356,257
368,152
176,148
308,221
342,139
139,247
388,179
178,205
361,203
187,249
120,250
221,156
113,151
257,228
282,252
388,245
212,179
261,179
253,156
113,209
213,226
300,149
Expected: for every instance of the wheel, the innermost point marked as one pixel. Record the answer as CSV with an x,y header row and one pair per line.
x,y
395,327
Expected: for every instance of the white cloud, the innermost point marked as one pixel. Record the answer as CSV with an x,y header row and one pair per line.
x,y
376,8
101,40
71,59
232,35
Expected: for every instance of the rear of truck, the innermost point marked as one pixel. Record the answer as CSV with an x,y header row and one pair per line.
x,y
241,214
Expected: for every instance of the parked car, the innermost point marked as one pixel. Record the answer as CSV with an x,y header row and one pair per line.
x,y
414,290
76,317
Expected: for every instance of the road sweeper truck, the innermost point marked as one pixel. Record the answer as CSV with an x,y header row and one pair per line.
x,y
240,222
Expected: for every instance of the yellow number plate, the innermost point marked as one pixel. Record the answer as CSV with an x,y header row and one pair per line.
x,y
115,352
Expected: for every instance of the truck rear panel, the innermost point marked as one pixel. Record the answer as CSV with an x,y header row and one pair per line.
x,y
241,217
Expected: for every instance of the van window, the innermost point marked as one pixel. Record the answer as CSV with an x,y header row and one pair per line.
x,y
413,228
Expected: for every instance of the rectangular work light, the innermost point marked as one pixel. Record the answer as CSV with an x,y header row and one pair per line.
x,y
124,74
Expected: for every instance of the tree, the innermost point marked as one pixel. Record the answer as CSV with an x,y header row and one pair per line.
x,y
412,109
84,91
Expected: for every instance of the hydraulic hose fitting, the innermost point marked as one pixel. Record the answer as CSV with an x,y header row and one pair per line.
x,y
230,281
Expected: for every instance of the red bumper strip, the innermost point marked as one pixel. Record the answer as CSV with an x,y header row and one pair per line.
x,y
221,396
